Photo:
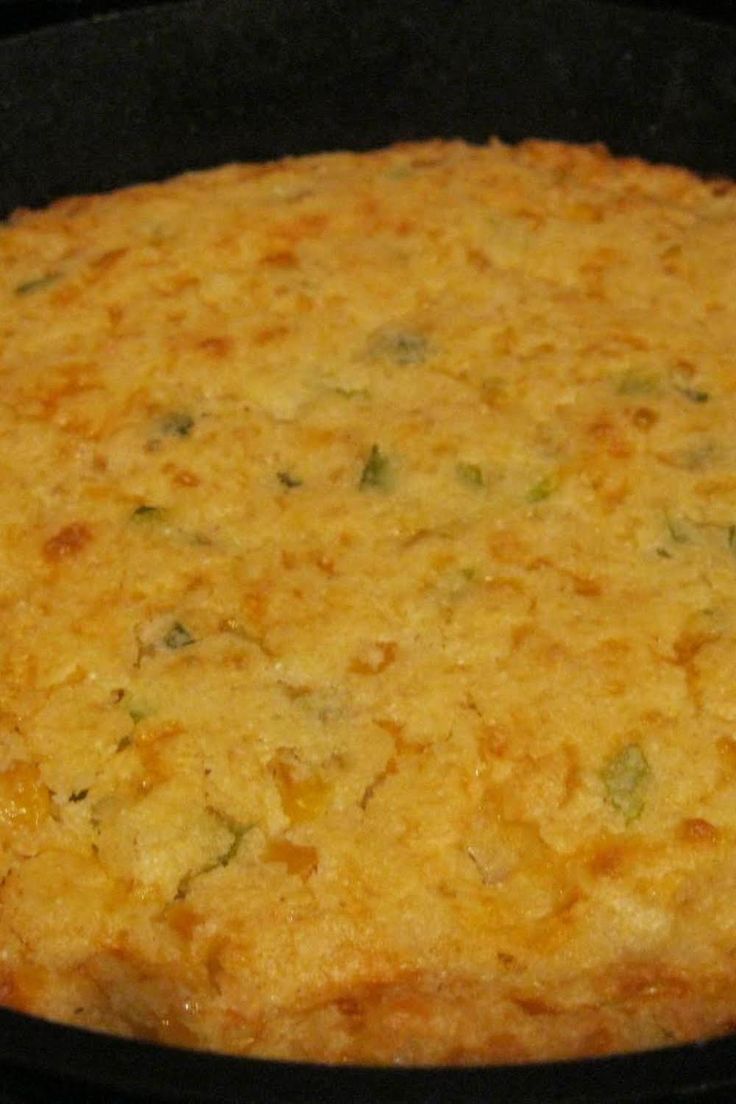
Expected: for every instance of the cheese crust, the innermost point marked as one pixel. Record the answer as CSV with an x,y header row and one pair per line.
x,y
368,602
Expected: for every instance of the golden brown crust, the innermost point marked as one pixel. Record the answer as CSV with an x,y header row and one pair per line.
x,y
369,606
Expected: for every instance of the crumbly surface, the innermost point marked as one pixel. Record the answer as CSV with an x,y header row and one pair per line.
x,y
368,607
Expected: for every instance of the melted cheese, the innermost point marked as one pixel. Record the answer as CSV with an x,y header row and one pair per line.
x,y
368,560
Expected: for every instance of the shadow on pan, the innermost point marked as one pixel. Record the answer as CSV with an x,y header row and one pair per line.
x,y
94,105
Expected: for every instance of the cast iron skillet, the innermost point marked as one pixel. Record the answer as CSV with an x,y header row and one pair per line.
x,y
98,104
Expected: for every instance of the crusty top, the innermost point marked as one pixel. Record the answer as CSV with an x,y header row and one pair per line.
x,y
368,602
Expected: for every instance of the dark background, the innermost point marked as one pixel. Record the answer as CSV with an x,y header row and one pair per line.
x,y
21,15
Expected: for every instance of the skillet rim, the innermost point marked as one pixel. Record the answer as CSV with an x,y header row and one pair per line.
x,y
162,1072
638,20
138,8
31,1043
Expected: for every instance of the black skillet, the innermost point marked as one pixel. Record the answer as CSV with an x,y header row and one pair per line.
x,y
148,92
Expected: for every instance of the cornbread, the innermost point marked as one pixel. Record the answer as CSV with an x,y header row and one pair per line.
x,y
368,545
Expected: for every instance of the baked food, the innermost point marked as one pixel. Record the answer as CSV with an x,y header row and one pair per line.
x,y
369,604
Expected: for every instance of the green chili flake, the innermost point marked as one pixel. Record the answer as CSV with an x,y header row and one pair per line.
x,y
399,172
376,471
177,424
352,392
403,347
288,479
237,831
693,394
732,537
235,827
470,474
626,776
178,636
637,383
137,713
697,457
78,795
136,709
148,513
39,284
677,529
541,490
